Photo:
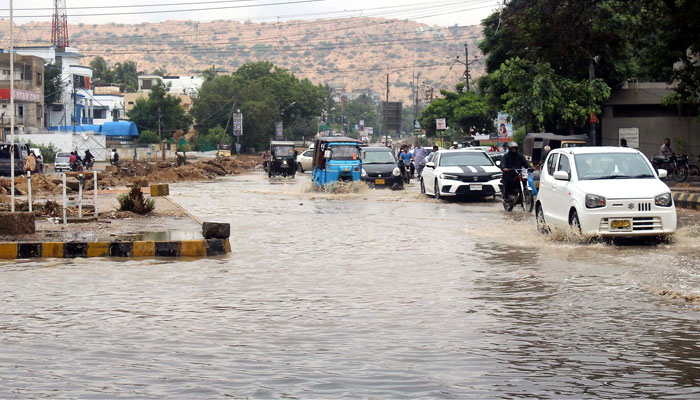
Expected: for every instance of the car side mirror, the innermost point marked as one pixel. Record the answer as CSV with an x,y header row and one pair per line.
x,y
561,176
430,165
498,163
663,173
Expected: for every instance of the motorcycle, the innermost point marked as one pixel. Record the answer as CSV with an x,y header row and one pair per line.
x,y
76,166
674,165
405,168
88,164
524,195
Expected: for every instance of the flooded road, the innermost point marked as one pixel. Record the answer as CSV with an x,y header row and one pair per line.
x,y
376,294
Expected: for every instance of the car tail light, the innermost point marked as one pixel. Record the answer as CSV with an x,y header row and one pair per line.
x,y
357,169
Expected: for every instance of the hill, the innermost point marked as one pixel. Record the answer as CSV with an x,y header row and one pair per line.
x,y
354,53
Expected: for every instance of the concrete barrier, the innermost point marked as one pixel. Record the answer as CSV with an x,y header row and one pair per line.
x,y
687,200
121,249
160,190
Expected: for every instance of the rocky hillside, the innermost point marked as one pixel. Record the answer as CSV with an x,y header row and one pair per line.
x,y
356,52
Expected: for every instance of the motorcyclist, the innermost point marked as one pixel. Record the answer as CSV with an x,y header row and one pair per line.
x,y
89,158
406,157
511,162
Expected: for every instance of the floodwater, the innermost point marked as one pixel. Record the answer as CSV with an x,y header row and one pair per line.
x,y
374,294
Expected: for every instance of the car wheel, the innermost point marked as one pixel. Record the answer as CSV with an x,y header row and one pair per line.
x,y
422,186
541,224
436,190
574,222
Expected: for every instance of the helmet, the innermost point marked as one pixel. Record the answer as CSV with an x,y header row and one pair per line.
x,y
513,145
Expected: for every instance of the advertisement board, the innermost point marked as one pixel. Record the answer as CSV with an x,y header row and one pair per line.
x,y
237,124
440,124
504,128
279,131
631,135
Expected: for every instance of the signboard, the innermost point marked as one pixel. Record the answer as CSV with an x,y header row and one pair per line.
x,y
416,125
631,135
362,122
391,112
504,128
237,124
369,130
440,124
279,130
21,95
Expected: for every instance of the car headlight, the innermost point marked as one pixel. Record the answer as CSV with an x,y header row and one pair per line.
x,y
396,172
664,200
594,201
447,176
363,173
496,176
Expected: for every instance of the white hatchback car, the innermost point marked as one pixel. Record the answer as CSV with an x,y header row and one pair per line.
x,y
604,191
304,160
468,171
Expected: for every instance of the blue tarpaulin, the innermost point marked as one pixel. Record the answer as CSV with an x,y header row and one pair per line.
x,y
120,128
78,128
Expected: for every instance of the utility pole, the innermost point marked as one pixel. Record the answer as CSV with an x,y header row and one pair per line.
x,y
386,113
12,112
75,104
466,65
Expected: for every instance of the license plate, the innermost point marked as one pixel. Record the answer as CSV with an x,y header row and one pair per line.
x,y
346,169
379,181
476,187
621,224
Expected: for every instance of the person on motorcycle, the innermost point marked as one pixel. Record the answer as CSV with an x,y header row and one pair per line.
x,y
89,158
406,157
511,162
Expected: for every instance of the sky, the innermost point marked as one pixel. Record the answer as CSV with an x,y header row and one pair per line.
x,y
431,12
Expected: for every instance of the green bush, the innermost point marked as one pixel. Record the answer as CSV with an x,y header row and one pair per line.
x,y
135,201
148,137
48,153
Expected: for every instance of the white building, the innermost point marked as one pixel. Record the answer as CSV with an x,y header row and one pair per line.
x,y
187,85
77,102
108,108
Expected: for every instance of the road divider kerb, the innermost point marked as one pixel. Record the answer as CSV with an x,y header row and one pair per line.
x,y
687,200
119,249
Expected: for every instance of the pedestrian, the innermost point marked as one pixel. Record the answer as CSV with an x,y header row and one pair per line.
x,y
666,150
30,163
115,157
623,142
432,153
545,153
505,147
455,146
179,159
419,158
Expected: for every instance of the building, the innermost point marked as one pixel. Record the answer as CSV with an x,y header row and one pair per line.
x,y
636,112
29,93
76,105
108,108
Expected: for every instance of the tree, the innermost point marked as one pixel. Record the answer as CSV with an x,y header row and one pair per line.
x,y
123,74
464,112
543,100
101,73
53,86
210,73
264,94
160,71
160,110
147,137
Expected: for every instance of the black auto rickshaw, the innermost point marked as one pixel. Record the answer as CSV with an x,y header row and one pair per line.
x,y
535,143
282,159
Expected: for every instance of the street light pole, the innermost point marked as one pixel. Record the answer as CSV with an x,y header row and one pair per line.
x,y
12,112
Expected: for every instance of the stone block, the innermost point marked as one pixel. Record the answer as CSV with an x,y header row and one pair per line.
x,y
216,230
160,190
17,223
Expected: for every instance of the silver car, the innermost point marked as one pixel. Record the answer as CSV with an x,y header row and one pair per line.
x,y
62,162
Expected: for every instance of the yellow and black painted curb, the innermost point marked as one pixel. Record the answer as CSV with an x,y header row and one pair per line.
x,y
122,249
687,200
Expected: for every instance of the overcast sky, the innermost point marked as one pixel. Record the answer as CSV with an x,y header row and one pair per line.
x,y
437,12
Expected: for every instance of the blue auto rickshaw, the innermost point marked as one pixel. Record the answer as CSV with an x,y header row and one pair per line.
x,y
336,159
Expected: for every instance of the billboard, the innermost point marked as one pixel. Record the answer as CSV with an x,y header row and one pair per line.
x,y
440,124
279,131
631,135
391,112
504,128
237,124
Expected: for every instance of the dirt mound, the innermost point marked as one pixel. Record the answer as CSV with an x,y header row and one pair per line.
x,y
168,172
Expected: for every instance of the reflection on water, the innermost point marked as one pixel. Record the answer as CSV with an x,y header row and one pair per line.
x,y
376,294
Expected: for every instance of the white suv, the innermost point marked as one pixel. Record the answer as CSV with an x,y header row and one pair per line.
x,y
604,191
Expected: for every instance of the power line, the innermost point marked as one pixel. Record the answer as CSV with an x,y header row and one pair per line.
x,y
130,6
176,10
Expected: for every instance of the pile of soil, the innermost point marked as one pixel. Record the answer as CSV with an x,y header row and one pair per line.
x,y
168,172
41,184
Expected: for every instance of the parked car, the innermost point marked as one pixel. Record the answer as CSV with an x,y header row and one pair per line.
x,y
466,171
305,160
62,162
604,191
21,153
380,168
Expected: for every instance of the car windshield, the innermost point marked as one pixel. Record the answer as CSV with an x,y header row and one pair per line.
x,y
283,151
63,155
612,166
465,158
345,152
378,157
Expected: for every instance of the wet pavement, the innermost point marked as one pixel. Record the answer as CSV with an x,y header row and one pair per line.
x,y
375,294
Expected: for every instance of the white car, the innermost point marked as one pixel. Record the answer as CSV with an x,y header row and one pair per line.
x,y
468,171
305,160
62,162
604,191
